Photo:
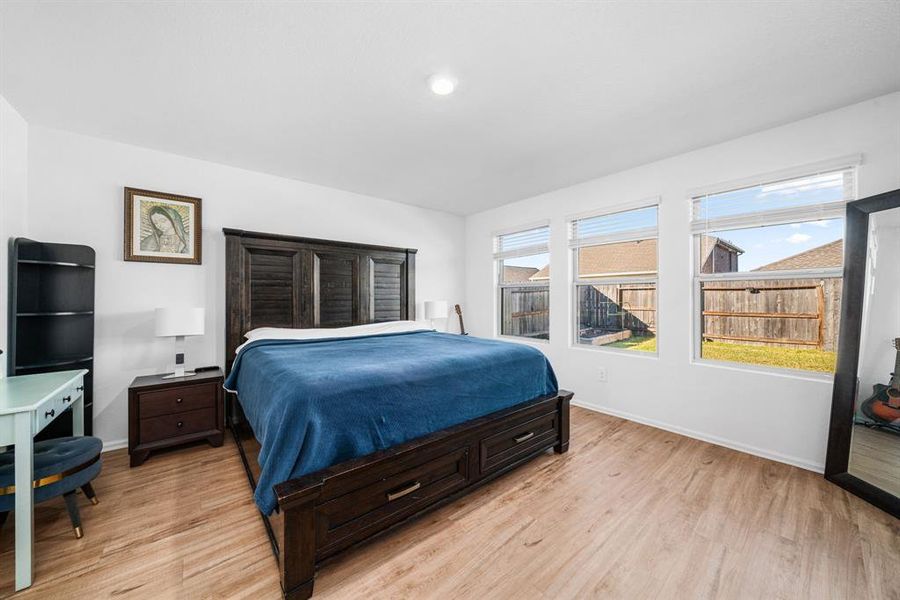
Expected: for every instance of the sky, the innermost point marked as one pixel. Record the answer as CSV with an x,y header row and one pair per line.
x,y
761,245
764,245
537,261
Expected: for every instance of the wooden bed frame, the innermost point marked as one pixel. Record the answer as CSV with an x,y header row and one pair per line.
x,y
282,281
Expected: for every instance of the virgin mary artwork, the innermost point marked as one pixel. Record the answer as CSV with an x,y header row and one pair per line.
x,y
161,227
167,233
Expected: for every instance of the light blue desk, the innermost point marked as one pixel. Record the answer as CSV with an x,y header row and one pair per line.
x,y
28,403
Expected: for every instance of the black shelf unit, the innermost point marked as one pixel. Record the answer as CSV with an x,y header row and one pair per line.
x,y
51,317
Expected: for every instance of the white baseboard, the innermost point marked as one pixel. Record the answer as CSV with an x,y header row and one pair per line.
x,y
699,435
115,445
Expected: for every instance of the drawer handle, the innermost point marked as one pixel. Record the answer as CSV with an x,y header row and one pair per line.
x,y
50,413
391,496
179,401
80,388
67,399
524,438
179,424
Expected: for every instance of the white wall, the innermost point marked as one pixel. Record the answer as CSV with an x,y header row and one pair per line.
x,y
76,196
13,197
881,308
777,416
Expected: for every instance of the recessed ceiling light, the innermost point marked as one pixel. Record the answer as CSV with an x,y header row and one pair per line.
x,y
442,85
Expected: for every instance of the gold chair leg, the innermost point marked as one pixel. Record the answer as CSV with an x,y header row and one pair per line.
x,y
72,507
88,490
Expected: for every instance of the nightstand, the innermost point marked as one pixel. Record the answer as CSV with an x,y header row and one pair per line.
x,y
168,412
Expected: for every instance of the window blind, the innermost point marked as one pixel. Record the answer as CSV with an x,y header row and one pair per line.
x,y
813,197
522,243
635,224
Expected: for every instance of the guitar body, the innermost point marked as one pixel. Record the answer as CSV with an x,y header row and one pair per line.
x,y
462,326
883,407
885,412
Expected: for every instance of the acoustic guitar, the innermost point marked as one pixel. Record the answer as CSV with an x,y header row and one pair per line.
x,y
893,392
884,405
462,327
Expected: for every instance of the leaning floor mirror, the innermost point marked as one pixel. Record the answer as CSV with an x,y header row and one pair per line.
x,y
864,435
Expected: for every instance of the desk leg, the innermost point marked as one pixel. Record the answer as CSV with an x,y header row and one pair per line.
x,y
78,416
24,498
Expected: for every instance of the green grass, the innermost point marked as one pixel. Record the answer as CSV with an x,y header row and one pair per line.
x,y
643,343
806,359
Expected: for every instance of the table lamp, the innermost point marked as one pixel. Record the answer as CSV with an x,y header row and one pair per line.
x,y
179,322
435,309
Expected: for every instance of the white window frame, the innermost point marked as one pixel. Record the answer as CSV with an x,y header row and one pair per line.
x,y
831,210
616,278
499,285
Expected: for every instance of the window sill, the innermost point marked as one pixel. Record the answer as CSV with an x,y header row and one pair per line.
x,y
618,351
524,340
764,370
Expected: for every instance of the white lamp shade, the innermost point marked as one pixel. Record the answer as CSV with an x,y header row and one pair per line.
x,y
436,309
179,320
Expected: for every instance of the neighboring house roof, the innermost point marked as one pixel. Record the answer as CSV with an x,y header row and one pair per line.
x,y
718,255
622,258
626,258
820,257
544,273
726,244
517,274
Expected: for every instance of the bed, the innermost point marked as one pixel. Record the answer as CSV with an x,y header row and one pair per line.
x,y
370,419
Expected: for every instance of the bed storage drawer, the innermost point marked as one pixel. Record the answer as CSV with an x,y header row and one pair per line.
x,y
357,514
506,447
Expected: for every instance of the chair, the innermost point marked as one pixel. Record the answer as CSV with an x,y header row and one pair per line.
x,y
61,466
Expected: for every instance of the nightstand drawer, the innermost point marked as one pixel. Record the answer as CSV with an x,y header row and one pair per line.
x,y
177,400
177,424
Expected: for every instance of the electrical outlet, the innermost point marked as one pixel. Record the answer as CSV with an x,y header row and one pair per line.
x,y
601,375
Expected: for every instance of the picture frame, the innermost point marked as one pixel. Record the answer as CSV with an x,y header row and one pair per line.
x,y
162,227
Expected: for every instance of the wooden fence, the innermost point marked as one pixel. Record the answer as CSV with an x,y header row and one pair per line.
x,y
525,311
617,307
795,313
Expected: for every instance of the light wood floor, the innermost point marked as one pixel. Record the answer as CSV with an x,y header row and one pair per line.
x,y
630,512
875,457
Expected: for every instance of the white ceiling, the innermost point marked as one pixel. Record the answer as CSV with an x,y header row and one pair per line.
x,y
550,94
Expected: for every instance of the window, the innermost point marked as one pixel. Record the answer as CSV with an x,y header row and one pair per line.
x,y
615,277
768,263
523,280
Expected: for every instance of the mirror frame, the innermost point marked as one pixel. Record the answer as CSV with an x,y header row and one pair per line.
x,y
856,241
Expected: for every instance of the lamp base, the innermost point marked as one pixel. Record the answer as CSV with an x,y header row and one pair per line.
x,y
179,361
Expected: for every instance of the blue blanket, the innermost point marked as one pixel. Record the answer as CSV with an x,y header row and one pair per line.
x,y
315,403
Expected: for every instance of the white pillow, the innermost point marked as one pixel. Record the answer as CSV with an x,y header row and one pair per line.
x,y
281,333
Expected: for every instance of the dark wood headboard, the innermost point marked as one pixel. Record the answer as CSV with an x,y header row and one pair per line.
x,y
284,281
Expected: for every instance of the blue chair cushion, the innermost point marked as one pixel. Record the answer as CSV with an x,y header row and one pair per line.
x,y
51,457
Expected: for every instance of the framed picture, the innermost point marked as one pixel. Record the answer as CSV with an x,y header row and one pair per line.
x,y
162,227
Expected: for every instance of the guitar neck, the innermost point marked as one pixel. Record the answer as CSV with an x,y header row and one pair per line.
x,y
462,326
895,376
